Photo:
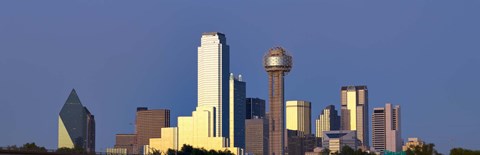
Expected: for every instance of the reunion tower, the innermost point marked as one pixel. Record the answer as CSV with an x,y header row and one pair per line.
x,y
277,63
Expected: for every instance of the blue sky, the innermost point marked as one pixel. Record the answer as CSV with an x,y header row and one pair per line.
x,y
118,55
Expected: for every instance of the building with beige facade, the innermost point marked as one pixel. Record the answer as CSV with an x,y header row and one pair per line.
x,y
386,129
354,112
169,140
328,120
208,126
299,116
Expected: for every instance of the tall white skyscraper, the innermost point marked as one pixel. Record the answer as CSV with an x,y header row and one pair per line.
x,y
213,79
386,128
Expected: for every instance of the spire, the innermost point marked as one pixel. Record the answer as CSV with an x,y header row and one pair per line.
x,y
73,98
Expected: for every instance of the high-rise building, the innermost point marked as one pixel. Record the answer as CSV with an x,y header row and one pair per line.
x,y
208,126
335,140
354,102
90,131
149,124
125,141
386,132
213,78
328,120
299,116
277,63
255,108
257,140
237,111
76,125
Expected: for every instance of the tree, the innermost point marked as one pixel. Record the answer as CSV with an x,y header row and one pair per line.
x,y
346,150
156,152
32,147
462,151
427,149
326,152
67,150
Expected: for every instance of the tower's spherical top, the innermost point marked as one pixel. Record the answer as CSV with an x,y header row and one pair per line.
x,y
277,59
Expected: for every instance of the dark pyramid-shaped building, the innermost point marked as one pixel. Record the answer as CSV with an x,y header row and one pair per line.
x,y
76,125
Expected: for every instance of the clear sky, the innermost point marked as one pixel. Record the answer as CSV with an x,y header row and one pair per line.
x,y
118,55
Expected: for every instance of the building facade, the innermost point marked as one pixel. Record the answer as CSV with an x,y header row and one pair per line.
x,y
256,141
168,141
300,144
386,132
299,116
255,108
354,111
76,125
126,141
213,79
149,124
335,140
277,63
237,111
328,120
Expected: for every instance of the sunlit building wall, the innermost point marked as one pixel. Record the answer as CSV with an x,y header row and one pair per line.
x,y
354,111
168,141
213,78
328,120
299,116
117,151
237,111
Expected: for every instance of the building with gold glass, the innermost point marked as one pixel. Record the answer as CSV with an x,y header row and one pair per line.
x,y
299,116
328,120
354,112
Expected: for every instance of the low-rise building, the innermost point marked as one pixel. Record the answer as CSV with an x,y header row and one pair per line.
x,y
335,140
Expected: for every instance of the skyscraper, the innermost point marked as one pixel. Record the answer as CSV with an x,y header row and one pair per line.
x,y
277,63
208,126
299,116
76,125
213,77
328,120
237,111
386,131
149,124
354,102
255,108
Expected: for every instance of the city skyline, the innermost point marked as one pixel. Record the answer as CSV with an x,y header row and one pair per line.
x,y
411,59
